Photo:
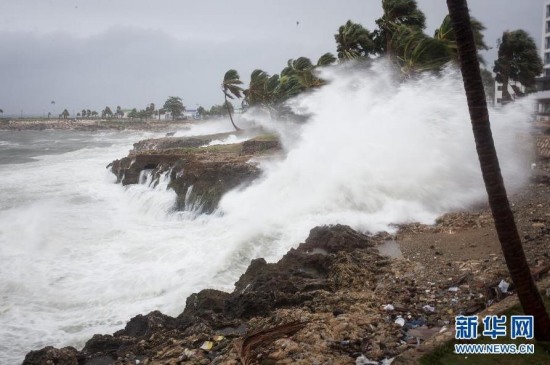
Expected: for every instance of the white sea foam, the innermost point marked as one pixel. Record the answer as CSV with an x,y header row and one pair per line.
x,y
81,255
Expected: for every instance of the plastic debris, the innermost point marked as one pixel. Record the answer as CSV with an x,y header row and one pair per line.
x,y
207,345
453,288
387,361
362,360
503,286
428,308
415,323
218,338
400,321
388,307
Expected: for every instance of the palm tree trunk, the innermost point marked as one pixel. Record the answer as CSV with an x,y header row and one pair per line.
x,y
505,225
506,97
230,117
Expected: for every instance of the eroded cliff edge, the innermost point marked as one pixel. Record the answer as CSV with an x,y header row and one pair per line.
x,y
199,173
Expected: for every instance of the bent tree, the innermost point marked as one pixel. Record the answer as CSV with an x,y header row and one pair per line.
x,y
505,225
231,89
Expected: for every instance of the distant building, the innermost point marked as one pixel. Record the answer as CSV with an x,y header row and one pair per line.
x,y
545,46
191,114
543,82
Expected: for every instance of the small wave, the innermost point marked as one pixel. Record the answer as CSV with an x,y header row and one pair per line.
x,y
9,144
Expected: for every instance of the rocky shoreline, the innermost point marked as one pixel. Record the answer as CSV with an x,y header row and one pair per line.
x,y
334,299
198,173
91,124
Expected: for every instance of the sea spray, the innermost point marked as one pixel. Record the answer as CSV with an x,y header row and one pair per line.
x,y
376,152
81,255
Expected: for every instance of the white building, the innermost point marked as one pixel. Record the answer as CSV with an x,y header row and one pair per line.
x,y
543,82
545,46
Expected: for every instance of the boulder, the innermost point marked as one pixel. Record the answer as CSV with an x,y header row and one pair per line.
x,y
50,355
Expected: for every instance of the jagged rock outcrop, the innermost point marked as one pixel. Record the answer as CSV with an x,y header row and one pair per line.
x,y
199,175
333,258
322,263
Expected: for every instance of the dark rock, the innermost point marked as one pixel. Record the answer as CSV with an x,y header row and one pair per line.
x,y
162,144
323,263
128,169
142,325
333,258
200,184
107,345
50,355
199,176
253,146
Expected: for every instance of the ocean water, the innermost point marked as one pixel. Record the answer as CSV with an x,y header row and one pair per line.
x,y
80,254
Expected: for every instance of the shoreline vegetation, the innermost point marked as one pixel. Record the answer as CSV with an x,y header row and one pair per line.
x,y
91,124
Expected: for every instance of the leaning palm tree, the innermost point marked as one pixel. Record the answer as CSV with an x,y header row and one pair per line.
x,y
257,93
353,41
505,225
231,89
445,34
397,13
416,52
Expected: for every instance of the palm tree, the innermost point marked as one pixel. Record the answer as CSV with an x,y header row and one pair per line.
x,y
416,52
83,114
149,110
517,60
65,114
396,13
353,41
201,111
119,113
445,34
326,60
257,92
505,225
304,71
231,89
106,113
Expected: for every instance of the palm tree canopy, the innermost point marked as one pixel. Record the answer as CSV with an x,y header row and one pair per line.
x,y
230,84
396,13
326,60
257,92
403,12
417,52
353,41
445,33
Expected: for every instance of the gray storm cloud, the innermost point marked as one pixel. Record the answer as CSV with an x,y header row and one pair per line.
x,y
89,54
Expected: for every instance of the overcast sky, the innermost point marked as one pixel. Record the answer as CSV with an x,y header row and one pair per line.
x,y
93,53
